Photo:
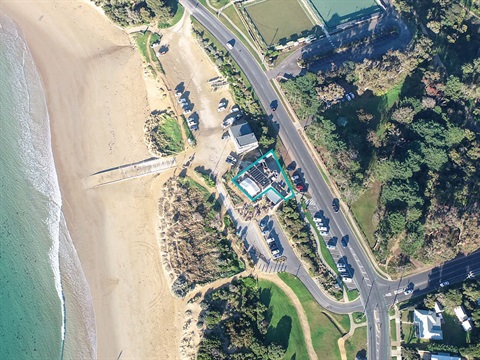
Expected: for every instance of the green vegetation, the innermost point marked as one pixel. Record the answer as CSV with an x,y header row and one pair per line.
x,y
357,343
130,13
393,330
352,294
455,339
364,209
206,175
405,153
201,252
300,235
239,323
326,328
190,137
219,3
334,13
284,326
359,317
268,19
178,10
242,90
141,39
163,135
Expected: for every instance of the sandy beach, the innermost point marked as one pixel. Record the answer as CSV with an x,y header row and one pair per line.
x,y
97,102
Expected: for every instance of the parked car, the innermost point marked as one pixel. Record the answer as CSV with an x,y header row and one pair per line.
x,y
231,160
349,98
300,187
322,228
264,222
292,166
332,243
444,283
178,93
265,232
221,108
295,178
341,264
194,127
235,108
346,279
225,135
187,111
352,95
324,233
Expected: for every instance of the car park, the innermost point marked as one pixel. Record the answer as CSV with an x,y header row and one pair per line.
x,y
444,283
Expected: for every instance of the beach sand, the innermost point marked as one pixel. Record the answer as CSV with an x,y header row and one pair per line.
x,y
97,103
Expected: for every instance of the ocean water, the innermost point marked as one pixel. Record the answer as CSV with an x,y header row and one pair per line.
x,y
45,305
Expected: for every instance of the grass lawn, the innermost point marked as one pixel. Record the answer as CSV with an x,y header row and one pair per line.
x,y
179,10
352,294
219,3
393,330
453,333
409,336
325,333
336,12
284,327
359,317
364,208
279,20
357,342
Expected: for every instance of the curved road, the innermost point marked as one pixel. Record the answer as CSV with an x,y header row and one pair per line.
x,y
374,290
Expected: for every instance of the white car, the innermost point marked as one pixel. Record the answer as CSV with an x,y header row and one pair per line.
x,y
221,108
324,233
352,95
347,279
444,283
295,177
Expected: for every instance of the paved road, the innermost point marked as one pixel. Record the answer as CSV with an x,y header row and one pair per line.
x,y
373,288
365,278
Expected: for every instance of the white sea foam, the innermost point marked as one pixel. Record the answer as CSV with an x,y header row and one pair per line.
x,y
39,166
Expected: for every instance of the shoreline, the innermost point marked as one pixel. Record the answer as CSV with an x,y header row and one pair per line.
x,y
97,102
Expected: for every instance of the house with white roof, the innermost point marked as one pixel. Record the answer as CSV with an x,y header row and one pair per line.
x,y
428,324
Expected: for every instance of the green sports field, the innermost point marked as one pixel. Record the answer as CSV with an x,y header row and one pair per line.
x,y
336,12
278,20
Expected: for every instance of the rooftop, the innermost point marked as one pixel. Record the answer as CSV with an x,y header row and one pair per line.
x,y
242,135
428,324
264,176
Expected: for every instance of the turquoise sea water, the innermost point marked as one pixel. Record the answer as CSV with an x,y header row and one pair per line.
x,y
40,275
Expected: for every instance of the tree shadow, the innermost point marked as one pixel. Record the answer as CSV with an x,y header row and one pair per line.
x,y
280,334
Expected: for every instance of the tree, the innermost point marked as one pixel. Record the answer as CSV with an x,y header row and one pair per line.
x,y
396,223
331,93
404,115
364,116
410,354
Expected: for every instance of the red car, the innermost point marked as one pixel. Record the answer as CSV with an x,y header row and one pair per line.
x,y
300,187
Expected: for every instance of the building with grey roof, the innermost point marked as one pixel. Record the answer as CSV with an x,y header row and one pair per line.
x,y
243,137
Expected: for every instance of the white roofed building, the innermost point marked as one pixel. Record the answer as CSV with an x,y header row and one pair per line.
x,y
250,187
428,324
